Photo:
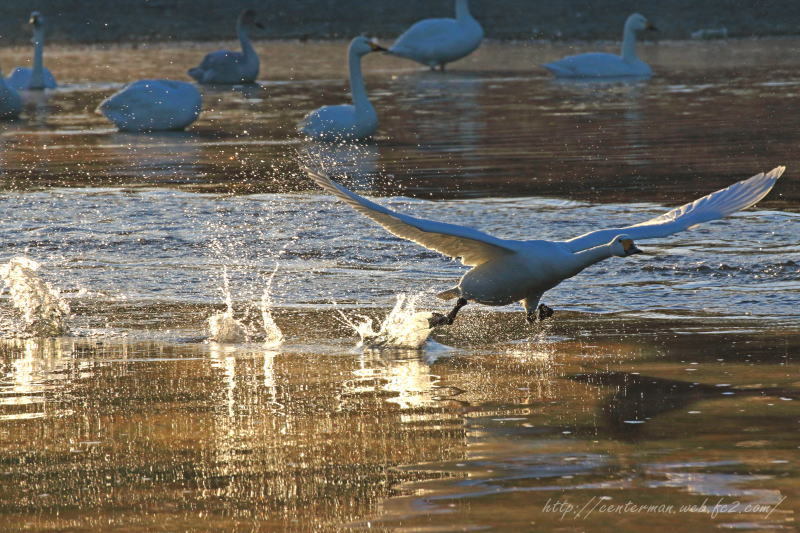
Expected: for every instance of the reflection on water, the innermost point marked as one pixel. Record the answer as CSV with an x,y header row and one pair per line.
x,y
493,126
215,436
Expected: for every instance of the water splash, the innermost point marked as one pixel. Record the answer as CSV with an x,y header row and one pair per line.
x,y
403,327
39,309
224,327
273,336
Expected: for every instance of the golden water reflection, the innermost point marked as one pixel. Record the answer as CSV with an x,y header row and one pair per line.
x,y
111,434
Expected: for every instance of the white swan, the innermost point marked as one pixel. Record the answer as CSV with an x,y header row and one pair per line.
x,y
603,65
227,67
435,42
339,122
10,101
153,105
38,77
505,271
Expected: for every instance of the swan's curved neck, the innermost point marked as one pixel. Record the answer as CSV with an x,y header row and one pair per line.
x,y
244,39
357,88
462,10
586,258
629,44
37,75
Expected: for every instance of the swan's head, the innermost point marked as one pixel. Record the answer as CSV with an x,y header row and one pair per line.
x,y
637,22
248,18
362,46
623,246
37,20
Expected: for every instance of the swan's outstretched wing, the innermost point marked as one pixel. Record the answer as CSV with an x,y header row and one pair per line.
x,y
472,246
719,204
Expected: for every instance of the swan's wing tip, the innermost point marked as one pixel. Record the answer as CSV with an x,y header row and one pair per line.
x,y
777,172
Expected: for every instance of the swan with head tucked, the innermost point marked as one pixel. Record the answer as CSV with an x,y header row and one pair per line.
x,y
346,121
604,65
505,271
227,67
436,42
10,101
38,77
153,105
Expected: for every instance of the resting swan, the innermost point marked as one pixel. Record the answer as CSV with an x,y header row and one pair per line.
x,y
505,271
227,67
38,77
10,101
340,122
435,42
153,105
603,65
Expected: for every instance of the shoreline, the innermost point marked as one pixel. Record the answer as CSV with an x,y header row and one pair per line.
x,y
90,21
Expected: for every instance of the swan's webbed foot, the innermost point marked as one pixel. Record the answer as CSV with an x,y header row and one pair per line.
x,y
542,312
439,319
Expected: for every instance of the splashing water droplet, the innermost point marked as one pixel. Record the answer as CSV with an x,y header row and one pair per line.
x,y
403,327
40,310
224,327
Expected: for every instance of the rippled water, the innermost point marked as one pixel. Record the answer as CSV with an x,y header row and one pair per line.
x,y
665,378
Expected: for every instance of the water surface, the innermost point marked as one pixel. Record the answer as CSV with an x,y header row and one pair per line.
x,y
666,379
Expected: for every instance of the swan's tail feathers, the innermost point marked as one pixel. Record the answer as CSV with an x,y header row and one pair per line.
x,y
196,73
556,69
449,294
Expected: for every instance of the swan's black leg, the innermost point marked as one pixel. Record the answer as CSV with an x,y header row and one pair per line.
x,y
534,312
439,319
543,312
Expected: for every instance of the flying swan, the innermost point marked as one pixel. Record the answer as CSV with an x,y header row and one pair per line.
x,y
24,78
435,42
506,271
227,67
603,65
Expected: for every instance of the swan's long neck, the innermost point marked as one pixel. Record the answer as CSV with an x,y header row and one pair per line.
x,y
247,47
357,88
586,258
37,75
462,10
629,44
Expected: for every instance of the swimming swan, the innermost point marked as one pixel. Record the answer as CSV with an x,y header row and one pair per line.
x,y
603,65
227,67
10,101
434,42
339,122
24,78
505,271
153,105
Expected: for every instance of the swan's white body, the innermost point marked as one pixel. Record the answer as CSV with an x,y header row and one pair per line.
x,y
153,105
228,67
603,65
38,77
436,42
343,122
505,271
10,101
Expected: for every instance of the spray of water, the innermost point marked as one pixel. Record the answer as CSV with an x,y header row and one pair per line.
x,y
273,336
224,327
39,310
403,327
